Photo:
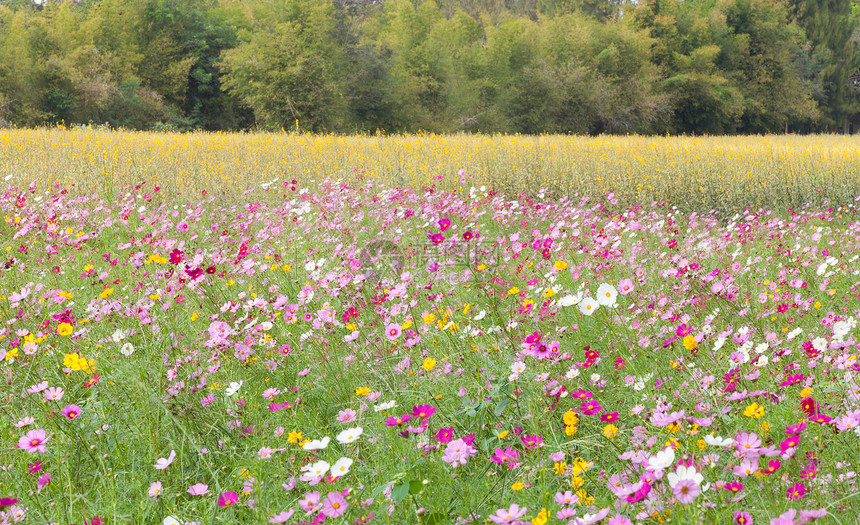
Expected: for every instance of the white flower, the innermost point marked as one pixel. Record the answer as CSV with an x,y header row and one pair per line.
x,y
662,459
118,336
568,300
761,361
588,306
480,315
761,348
794,333
819,343
572,372
718,441
233,388
127,349
384,406
319,468
171,520
719,343
316,444
349,435
163,463
518,367
684,473
341,467
821,269
606,294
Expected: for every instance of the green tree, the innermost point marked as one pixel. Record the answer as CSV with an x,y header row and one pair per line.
x,y
287,68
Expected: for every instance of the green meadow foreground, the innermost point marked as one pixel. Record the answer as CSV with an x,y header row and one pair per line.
x,y
340,349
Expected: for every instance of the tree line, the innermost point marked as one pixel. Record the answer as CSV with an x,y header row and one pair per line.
x,y
515,66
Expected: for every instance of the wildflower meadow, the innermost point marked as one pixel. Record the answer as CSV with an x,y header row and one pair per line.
x,y
340,349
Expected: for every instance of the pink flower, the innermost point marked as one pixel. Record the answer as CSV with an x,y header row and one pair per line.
x,y
625,286
393,331
282,517
686,491
155,489
512,514
71,411
54,393
227,499
163,463
198,489
346,416
310,502
334,505
458,452
742,517
34,441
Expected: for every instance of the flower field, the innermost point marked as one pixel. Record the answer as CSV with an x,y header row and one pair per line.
x,y
346,351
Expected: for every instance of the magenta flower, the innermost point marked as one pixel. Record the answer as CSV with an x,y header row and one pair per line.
x,y
444,224
734,486
7,502
686,491
392,421
34,441
512,514
71,411
532,441
44,480
228,498
509,457
445,435
796,491
198,489
334,505
423,411
742,517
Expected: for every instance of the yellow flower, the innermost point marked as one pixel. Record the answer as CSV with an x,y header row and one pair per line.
x,y
549,293
559,468
407,324
10,354
429,318
285,267
674,427
504,433
576,482
107,292
362,391
579,466
806,392
541,518
513,291
428,364
294,437
584,498
702,444
65,329
690,342
754,410
560,265
570,418
518,485
610,431
570,430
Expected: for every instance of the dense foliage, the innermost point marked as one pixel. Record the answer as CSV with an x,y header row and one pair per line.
x,y
529,66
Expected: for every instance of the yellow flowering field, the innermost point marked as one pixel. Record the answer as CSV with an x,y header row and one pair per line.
x,y
701,172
